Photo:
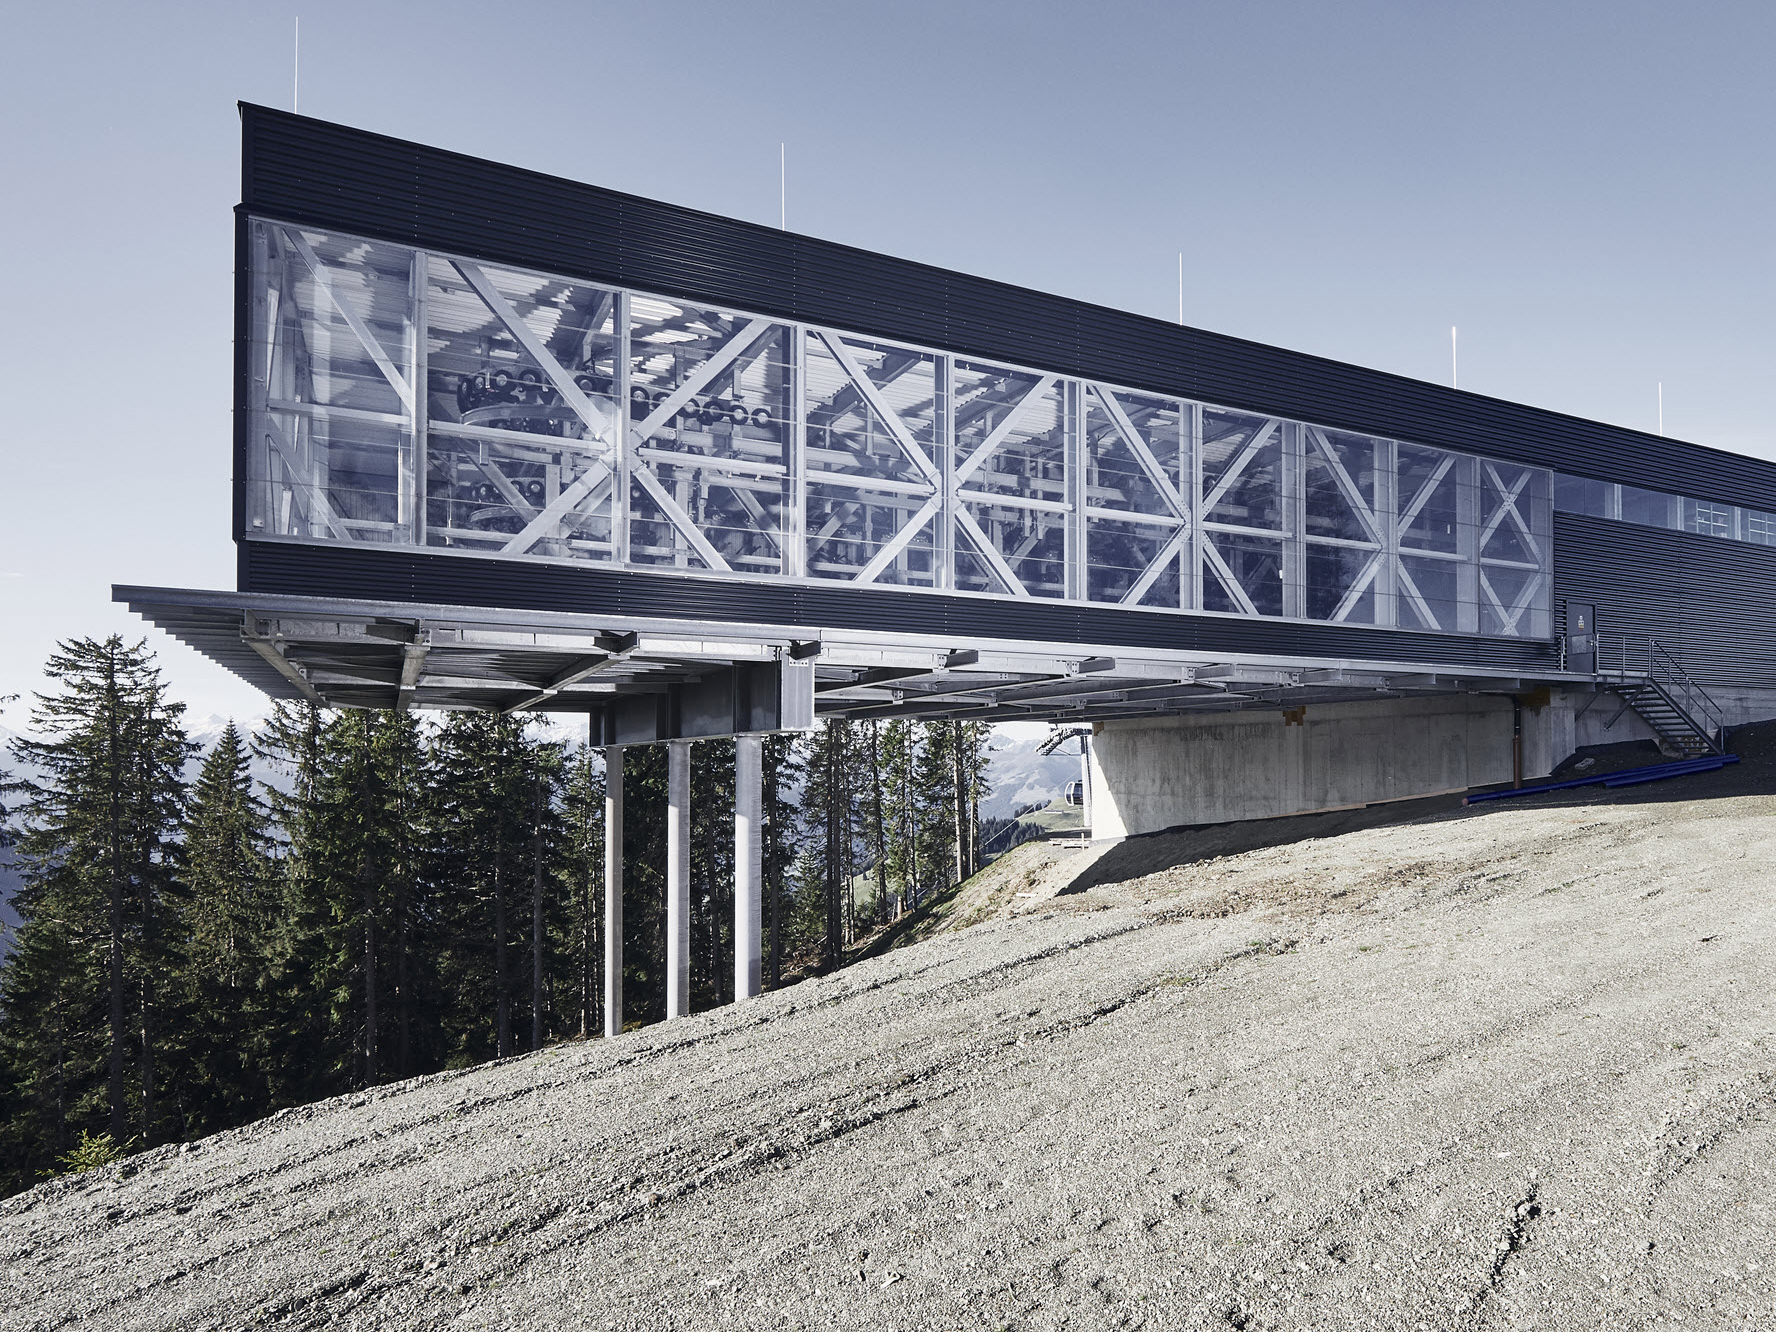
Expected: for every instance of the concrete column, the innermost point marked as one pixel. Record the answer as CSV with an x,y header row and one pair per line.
x,y
1085,782
678,878
748,863
613,890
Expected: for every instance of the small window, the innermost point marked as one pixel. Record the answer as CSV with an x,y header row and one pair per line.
x,y
1650,508
1579,494
1708,519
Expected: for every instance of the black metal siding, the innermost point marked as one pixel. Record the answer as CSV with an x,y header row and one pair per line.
x,y
382,574
1711,602
325,175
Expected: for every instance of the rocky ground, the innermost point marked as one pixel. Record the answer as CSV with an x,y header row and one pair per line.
x,y
1509,1066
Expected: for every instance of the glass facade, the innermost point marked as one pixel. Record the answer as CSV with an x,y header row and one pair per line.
x,y
1652,508
415,398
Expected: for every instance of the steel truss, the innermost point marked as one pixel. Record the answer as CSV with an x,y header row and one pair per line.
x,y
644,680
413,398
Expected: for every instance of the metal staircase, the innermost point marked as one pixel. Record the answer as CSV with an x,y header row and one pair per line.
x,y
1648,679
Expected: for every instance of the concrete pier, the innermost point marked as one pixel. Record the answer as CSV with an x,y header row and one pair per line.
x,y
613,890
748,864
678,878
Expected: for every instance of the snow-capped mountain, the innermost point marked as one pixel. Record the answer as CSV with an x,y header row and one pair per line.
x,y
1017,775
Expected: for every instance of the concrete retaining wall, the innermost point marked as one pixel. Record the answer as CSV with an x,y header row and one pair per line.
x,y
1159,773
1153,774
1554,732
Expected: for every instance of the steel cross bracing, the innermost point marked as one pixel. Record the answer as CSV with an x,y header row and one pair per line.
x,y
409,398
373,655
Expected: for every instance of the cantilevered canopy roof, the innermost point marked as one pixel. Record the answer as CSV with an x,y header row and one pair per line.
x,y
364,654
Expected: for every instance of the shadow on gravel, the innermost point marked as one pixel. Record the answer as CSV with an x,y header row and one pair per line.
x,y
1754,774
1148,852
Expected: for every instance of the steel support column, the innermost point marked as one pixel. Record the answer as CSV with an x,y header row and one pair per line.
x,y
748,863
613,890
678,878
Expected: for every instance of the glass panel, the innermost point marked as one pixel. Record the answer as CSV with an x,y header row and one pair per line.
x,y
1508,506
1031,541
1430,483
1512,601
849,525
1650,508
1340,483
1759,527
1118,554
1430,594
737,417
1578,494
1256,564
1341,584
332,333
1708,519
852,444
503,444
1246,453
1116,477
1031,462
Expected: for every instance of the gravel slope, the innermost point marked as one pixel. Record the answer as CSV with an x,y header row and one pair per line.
x,y
1509,1067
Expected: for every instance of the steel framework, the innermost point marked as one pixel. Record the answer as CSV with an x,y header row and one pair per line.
x,y
413,398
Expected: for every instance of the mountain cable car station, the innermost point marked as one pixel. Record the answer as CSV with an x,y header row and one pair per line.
x,y
506,441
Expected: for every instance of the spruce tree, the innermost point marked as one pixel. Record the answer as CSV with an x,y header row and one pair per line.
x,y
783,774
80,996
580,863
227,924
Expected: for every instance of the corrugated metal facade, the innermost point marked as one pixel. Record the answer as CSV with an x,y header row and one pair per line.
x,y
325,175
389,574
1711,602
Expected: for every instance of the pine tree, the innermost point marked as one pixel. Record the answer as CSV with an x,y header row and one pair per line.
x,y
934,800
581,874
80,996
226,925
782,771
900,761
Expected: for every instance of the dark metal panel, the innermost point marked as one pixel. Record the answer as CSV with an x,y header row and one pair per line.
x,y
243,371
382,573
1711,602
327,175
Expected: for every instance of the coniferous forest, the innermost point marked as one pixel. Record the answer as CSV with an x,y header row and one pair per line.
x,y
408,894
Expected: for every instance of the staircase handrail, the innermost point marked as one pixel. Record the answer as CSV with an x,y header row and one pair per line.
x,y
1643,657
1689,696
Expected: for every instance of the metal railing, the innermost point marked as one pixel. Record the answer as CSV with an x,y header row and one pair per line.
x,y
1639,657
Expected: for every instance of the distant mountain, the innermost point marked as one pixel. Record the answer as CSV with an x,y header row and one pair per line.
x,y
1017,775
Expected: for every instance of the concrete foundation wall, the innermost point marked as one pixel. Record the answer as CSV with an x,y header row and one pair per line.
x,y
1159,773
1554,732
1153,774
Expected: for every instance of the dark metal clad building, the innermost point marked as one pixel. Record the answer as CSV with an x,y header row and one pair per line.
x,y
628,443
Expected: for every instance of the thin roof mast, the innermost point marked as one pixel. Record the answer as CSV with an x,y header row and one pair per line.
x,y
296,70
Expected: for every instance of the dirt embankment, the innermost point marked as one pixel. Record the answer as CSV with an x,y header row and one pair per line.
x,y
1513,1066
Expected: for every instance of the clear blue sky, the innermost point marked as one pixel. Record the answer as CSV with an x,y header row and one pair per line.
x,y
1584,188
